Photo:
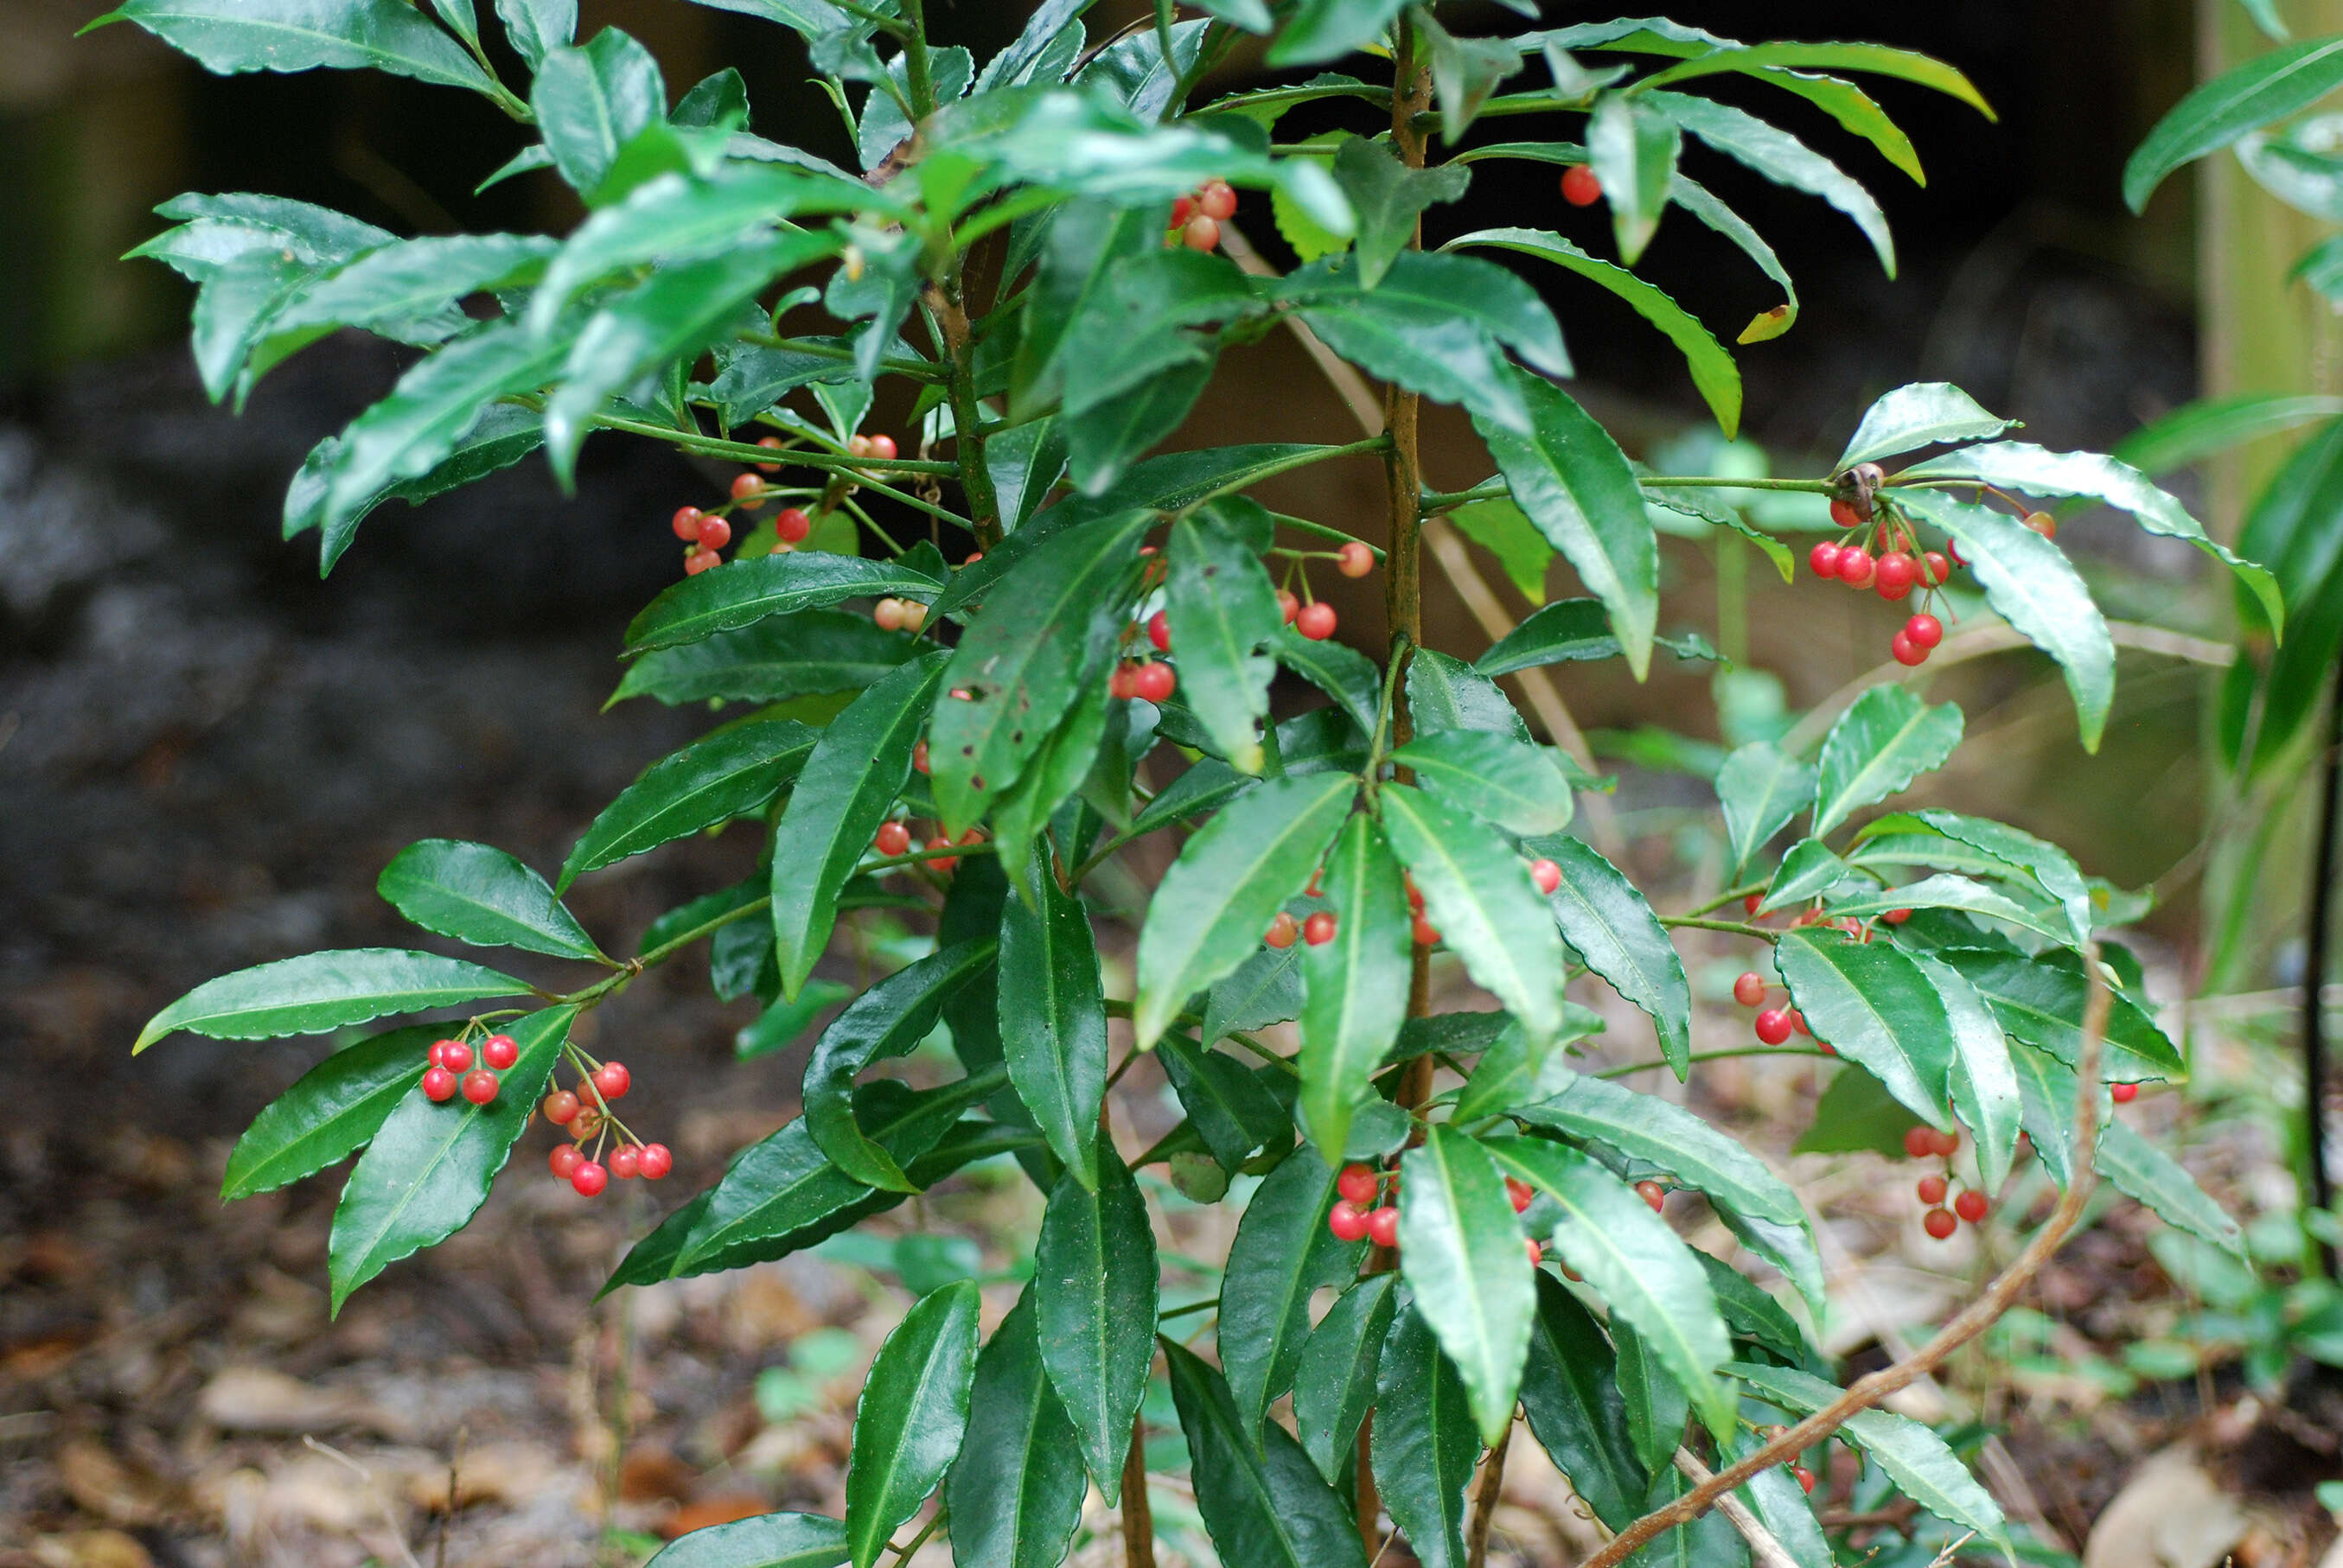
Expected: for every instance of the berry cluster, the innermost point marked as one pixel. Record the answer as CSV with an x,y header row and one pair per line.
x,y
1366,1208
1970,1205
894,839
898,615
705,532
451,1072
586,1114
1886,557
1147,677
1859,930
1775,1025
1196,218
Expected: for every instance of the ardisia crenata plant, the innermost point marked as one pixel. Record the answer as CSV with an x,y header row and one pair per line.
x,y
1039,248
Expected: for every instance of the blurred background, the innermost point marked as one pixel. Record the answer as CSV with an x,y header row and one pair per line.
x,y
206,753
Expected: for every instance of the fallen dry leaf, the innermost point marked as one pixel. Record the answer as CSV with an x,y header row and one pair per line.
x,y
101,1484
255,1399
2171,1514
492,1472
707,1511
91,1549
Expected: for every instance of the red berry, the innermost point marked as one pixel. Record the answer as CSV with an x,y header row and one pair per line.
x,y
499,1051
1805,1478
888,615
1939,1223
1182,209
714,534
1750,989
1199,232
439,1084
698,561
920,757
1347,1220
613,1079
480,1086
749,490
437,1054
1383,1226
587,1123
1358,1183
1935,570
565,1160
1749,905
1919,1142
589,1179
1519,1193
771,443
656,1161
1798,1023
894,839
1158,631
1774,1025
1655,1194
1536,1252
1843,514
1823,560
688,522
455,1055
1924,631
1153,682
1954,551
1282,931
1855,566
1906,653
560,1107
2122,1093
1354,559
1895,572
882,447
1546,875
792,525
1217,200
1317,930
1580,187
1897,917
858,446
625,1161
1315,622
1932,1190
1970,1205
942,865
1944,1143
1121,683
2043,523
1287,605
1427,935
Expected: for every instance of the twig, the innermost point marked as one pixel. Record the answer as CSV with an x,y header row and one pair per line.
x,y
1138,1517
1484,1503
1763,1550
1944,1559
380,1496
455,1465
1966,1325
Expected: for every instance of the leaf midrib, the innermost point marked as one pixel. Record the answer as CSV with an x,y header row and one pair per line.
x,y
1829,814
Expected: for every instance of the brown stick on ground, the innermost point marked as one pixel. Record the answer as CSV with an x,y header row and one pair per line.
x,y
1967,1324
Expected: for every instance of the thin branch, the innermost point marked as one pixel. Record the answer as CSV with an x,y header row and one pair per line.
x,y
1763,1550
1966,1325
1138,1516
1484,1503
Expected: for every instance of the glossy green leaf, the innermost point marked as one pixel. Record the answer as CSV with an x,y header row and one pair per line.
x,y
1049,626
1608,923
1026,461
1334,1381
734,772
1321,30
1632,146
1461,1253
1494,777
746,591
1423,286
912,1414
2217,113
591,101
413,281
1388,198
1087,240
229,35
482,896
844,792
751,378
808,654
2009,852
1714,373
1918,415
1642,1269
2138,1169
1015,1492
1856,1115
1464,73
213,230
765,1541
1478,892
329,1112
1424,1445
1573,480
1224,613
1699,201
2040,1001
2022,465
1231,881
319,992
1562,632
1505,531
1984,1083
1951,893
504,435
1053,1019
1101,442
428,1169
1877,59
1875,1007
1751,1314
1152,313
1914,1458
1879,745
1570,1393
1673,1138
1355,986
1264,1504
1094,1283
1266,989
1446,694
886,1020
1807,872
1656,1405
1228,1107
1282,1254
1761,787
2207,426
1514,1071
1780,157
535,26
